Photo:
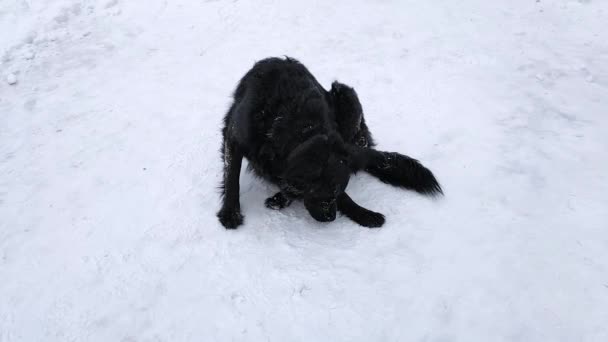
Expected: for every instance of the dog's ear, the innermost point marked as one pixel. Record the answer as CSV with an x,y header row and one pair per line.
x,y
336,143
306,162
357,157
337,147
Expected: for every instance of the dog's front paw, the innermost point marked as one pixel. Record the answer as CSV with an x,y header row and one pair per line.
x,y
230,218
370,219
277,202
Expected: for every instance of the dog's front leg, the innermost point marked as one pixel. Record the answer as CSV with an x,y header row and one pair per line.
x,y
355,212
230,214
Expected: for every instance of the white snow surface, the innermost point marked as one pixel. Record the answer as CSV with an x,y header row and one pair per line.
x,y
109,168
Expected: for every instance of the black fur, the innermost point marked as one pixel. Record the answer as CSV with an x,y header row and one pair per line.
x,y
308,142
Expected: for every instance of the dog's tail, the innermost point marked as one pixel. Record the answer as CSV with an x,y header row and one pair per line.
x,y
402,171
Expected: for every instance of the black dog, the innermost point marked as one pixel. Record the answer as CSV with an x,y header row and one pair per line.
x,y
308,142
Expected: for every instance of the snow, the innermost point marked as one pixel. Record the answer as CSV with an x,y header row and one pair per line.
x,y
11,79
109,168
29,54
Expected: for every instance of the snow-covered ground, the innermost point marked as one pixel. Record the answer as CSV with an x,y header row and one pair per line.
x,y
109,135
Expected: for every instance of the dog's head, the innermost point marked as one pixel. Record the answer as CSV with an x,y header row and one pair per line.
x,y
318,172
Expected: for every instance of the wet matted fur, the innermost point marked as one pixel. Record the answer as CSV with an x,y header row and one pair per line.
x,y
308,142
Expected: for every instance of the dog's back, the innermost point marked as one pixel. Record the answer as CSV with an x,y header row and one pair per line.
x,y
278,105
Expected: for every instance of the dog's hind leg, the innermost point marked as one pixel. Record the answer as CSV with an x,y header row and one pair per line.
x,y
396,169
230,214
278,201
355,212
349,116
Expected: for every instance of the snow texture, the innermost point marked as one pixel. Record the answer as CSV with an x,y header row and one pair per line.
x,y
109,168
11,79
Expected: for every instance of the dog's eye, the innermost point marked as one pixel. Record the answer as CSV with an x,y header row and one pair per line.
x,y
342,161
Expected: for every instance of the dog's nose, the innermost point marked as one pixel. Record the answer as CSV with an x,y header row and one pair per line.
x,y
330,217
325,217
